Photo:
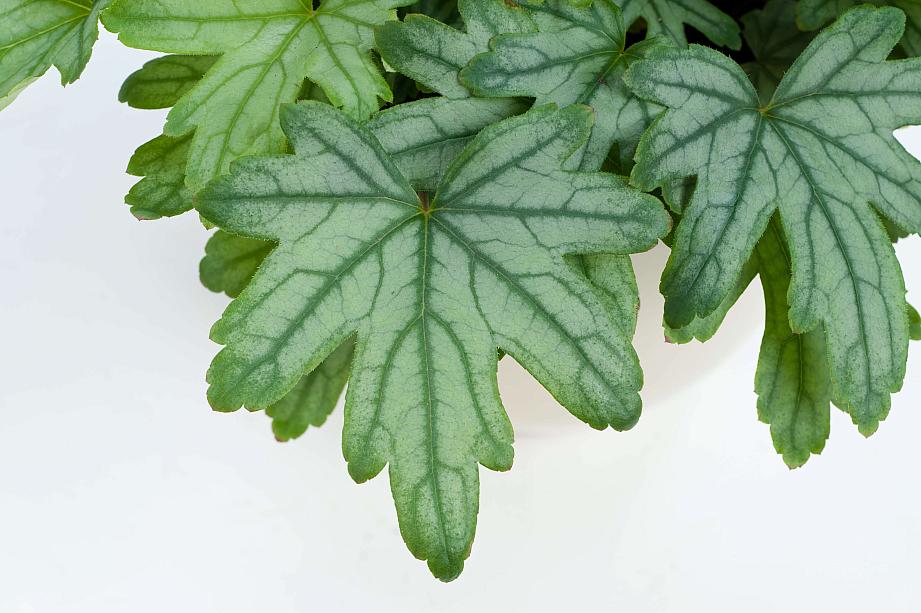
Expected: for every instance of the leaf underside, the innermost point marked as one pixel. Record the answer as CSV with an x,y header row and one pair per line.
x,y
430,286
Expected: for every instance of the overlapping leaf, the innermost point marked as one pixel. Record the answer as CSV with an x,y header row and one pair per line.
x,y
821,153
431,286
667,18
38,34
775,41
433,53
813,14
577,56
267,48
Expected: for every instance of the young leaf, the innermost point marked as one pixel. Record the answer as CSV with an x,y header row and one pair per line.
x,y
819,152
160,83
792,382
431,286
433,53
813,14
775,41
667,18
577,56
38,34
267,50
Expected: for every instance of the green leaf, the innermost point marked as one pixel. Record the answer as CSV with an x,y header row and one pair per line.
x,y
160,83
433,53
231,261
792,382
162,192
667,18
775,41
267,50
431,287
38,34
314,397
577,56
444,11
819,152
704,328
813,14
914,321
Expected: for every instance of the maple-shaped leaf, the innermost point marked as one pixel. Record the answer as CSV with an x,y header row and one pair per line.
x,y
822,154
775,41
667,18
577,56
38,34
160,83
433,53
813,14
430,286
267,49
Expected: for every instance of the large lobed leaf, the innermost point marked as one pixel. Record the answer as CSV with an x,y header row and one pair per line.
x,y
576,56
822,155
430,287
38,34
267,49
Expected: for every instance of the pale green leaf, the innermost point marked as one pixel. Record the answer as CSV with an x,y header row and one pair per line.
x,y
38,34
425,136
267,49
577,56
775,41
431,287
792,382
668,18
160,83
819,152
433,53
813,14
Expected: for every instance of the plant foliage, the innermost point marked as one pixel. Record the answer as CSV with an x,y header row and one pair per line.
x,y
405,192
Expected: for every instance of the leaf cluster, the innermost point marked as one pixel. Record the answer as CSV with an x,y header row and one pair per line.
x,y
405,192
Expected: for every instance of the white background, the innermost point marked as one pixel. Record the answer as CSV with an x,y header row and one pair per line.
x,y
121,491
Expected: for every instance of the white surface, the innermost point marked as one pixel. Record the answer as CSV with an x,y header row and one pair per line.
x,y
121,491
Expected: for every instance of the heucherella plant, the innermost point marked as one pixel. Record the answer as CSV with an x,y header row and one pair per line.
x,y
401,194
